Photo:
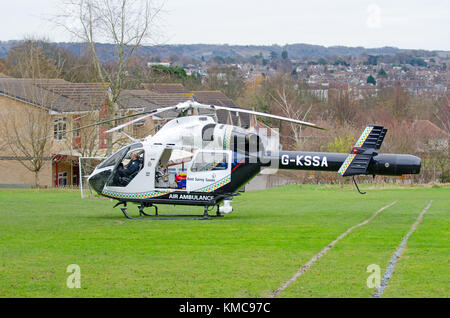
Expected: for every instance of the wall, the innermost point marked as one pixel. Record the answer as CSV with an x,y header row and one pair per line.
x,y
12,172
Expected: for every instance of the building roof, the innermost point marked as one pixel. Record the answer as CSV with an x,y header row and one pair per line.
x,y
84,93
53,94
213,98
149,100
165,88
159,100
220,99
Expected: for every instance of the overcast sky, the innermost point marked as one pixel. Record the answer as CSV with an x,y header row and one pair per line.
x,y
409,24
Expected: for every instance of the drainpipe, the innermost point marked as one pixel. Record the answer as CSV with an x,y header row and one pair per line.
x,y
56,168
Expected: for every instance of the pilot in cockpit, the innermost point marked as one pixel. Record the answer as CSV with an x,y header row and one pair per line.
x,y
132,167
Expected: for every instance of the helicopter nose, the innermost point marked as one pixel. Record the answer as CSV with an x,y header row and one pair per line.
x,y
98,181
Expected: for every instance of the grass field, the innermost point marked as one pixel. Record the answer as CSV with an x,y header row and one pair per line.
x,y
249,253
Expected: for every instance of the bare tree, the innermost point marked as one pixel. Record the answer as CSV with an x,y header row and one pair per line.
x,y
442,113
2,66
288,98
31,59
341,106
227,79
125,23
85,141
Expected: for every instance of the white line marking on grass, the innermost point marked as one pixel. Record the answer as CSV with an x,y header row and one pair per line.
x,y
398,253
305,267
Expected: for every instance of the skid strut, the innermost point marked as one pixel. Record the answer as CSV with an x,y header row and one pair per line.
x,y
157,216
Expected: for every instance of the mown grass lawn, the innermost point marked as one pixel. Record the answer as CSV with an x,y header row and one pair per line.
x,y
249,253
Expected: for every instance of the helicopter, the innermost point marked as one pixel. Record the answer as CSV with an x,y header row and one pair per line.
x,y
194,160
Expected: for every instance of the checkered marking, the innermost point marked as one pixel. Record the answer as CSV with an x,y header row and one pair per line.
x,y
363,137
216,185
135,196
346,164
227,138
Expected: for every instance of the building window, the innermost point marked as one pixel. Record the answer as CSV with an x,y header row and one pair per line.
x,y
60,128
62,179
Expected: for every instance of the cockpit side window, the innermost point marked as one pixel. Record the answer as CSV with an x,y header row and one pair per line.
x,y
114,158
128,168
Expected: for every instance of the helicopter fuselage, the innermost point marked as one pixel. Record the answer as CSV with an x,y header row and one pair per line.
x,y
195,161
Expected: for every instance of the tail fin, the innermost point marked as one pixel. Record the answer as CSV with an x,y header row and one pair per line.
x,y
365,148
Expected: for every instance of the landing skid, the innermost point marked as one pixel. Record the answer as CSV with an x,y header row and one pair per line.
x,y
156,216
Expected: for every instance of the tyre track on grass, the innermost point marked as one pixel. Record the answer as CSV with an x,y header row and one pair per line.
x,y
316,257
398,253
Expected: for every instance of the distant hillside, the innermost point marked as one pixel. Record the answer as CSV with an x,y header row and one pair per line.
x,y
197,51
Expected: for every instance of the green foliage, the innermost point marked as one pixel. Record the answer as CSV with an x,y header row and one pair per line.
x,y
172,71
341,62
273,55
284,55
322,61
445,176
371,80
372,60
218,60
382,73
417,61
342,144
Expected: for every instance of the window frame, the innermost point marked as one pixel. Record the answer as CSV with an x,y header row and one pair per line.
x,y
60,129
194,169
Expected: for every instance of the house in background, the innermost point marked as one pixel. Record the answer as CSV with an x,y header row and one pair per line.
x,y
56,103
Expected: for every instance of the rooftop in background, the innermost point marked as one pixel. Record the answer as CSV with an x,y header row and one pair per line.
x,y
220,99
89,94
53,94
165,88
213,98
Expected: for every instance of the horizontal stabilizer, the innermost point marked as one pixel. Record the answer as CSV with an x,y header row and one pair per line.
x,y
365,148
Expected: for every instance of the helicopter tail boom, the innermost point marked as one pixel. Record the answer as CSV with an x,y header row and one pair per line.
x,y
379,164
362,160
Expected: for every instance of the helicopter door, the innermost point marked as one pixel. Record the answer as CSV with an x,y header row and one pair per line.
x,y
209,170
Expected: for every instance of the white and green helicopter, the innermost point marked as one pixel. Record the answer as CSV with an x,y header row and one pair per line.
x,y
194,160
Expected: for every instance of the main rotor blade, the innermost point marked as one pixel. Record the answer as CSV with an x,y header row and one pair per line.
x,y
128,123
247,111
149,114
184,106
